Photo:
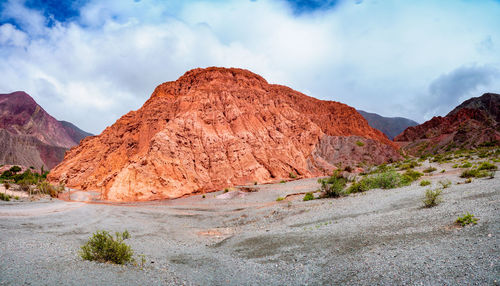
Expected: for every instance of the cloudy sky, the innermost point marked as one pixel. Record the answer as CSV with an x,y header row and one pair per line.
x,y
91,61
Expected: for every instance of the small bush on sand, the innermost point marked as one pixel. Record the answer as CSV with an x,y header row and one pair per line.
x,y
424,183
429,170
468,181
466,165
279,199
308,197
445,183
292,175
466,219
360,144
103,247
410,176
432,198
4,197
487,166
474,173
333,186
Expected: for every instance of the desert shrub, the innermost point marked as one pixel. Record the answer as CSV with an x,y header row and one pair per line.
x,y
386,180
445,183
279,199
492,175
455,166
203,196
442,171
359,187
409,165
282,181
292,175
487,166
429,170
103,247
348,169
308,197
474,173
466,165
6,175
15,169
254,183
226,190
360,144
424,183
466,219
48,189
6,185
432,198
16,197
4,197
24,186
334,185
468,181
411,175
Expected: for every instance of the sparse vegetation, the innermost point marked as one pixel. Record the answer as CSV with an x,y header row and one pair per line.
x,y
468,181
487,166
292,175
445,183
466,165
282,181
429,170
4,197
279,199
103,247
432,198
308,197
360,144
466,219
474,173
424,183
226,190
334,185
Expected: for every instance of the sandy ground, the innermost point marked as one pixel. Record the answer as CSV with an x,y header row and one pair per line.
x,y
380,237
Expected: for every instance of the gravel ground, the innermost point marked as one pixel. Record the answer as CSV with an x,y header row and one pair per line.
x,y
382,237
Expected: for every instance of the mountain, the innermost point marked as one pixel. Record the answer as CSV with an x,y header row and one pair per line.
x,y
215,128
390,126
473,123
29,136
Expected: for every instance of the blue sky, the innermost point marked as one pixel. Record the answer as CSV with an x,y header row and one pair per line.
x,y
91,61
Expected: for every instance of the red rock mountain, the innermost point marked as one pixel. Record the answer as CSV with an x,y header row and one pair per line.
x,y
29,136
215,128
471,124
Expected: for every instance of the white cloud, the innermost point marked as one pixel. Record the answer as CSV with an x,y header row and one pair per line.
x,y
379,56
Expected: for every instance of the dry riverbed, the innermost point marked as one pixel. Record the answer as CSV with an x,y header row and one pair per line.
x,y
247,238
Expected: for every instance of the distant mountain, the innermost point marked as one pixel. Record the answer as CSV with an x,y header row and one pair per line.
x,y
473,123
390,126
214,128
29,136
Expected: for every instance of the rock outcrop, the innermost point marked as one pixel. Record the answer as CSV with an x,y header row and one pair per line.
x,y
390,126
215,128
29,136
473,123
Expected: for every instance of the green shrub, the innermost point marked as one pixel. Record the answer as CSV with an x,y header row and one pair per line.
x,y
429,170
292,175
103,247
424,183
4,197
308,197
279,199
466,219
359,187
6,185
49,189
474,173
333,186
360,144
282,181
432,198
410,176
226,190
16,197
468,181
15,169
445,183
409,165
203,196
466,165
487,166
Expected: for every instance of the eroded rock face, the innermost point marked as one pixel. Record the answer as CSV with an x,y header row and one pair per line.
x,y
216,128
472,123
29,136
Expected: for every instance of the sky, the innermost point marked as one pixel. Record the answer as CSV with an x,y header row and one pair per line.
x,y
91,61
